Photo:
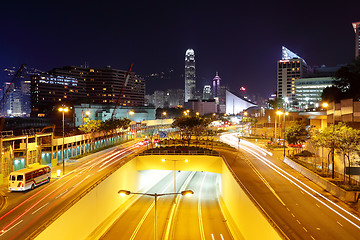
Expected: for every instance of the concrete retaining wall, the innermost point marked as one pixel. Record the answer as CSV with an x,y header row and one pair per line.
x,y
244,219
93,209
348,196
100,204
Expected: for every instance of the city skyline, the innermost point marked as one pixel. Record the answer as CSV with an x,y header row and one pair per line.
x,y
242,39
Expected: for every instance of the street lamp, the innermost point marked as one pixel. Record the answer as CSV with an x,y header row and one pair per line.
x,y
131,113
197,113
277,113
87,114
174,161
155,195
63,110
285,114
325,105
185,113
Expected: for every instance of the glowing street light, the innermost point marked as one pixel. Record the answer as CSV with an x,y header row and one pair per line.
x,y
124,193
63,110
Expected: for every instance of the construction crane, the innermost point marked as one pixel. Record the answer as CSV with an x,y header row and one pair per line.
x,y
127,76
8,90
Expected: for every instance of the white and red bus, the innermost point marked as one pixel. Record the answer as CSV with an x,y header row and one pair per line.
x,y
29,178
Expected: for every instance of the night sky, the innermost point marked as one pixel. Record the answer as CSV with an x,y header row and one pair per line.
x,y
240,39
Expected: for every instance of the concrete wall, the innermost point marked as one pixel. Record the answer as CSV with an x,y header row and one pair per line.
x,y
195,163
93,209
244,219
349,196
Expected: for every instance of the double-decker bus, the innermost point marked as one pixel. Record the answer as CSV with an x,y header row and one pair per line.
x,y
29,178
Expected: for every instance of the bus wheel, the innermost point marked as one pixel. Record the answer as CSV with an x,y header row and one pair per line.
x,y
32,186
48,180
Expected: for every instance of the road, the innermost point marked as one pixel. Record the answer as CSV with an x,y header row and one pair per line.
x,y
28,211
195,217
300,208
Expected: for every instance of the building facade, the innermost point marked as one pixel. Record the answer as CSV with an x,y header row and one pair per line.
x,y
356,26
190,77
206,92
289,68
308,91
72,84
216,86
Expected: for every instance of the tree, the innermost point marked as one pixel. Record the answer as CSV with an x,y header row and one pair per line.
x,y
348,79
296,133
191,126
348,143
91,127
251,121
331,94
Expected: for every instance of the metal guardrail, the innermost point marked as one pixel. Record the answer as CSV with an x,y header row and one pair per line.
x,y
174,152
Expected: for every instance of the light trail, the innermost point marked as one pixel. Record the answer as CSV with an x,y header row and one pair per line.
x,y
201,226
297,183
91,164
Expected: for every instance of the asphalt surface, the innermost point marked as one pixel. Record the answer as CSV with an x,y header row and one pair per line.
x,y
195,217
300,208
27,213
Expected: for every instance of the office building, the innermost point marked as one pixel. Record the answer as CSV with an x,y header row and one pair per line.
x,y
289,68
72,84
356,26
216,86
190,77
308,91
207,92
175,97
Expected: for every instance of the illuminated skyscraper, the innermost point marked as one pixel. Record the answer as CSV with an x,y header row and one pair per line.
x,y
290,67
356,26
190,82
216,86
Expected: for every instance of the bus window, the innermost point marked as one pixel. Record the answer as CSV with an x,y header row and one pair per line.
x,y
20,177
28,176
12,177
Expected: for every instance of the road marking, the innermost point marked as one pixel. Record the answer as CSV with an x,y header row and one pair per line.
x,y
298,222
5,231
40,208
302,186
222,238
317,205
264,181
312,238
212,236
62,193
292,215
339,223
305,229
302,192
202,234
288,209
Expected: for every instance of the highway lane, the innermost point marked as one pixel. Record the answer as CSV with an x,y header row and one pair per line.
x,y
137,222
29,210
300,208
200,216
196,217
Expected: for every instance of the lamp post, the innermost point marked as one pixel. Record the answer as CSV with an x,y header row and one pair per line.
x,y
277,113
174,161
155,195
325,105
87,113
63,110
285,114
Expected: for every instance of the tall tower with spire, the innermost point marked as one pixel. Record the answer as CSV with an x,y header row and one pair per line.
x,y
216,86
356,26
190,80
